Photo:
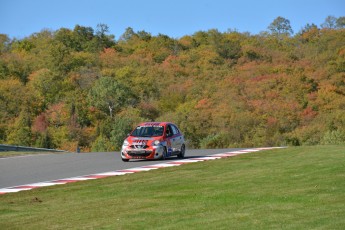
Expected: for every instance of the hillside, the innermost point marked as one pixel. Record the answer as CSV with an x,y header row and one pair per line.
x,y
81,87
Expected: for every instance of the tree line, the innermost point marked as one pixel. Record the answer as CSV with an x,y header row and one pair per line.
x,y
82,88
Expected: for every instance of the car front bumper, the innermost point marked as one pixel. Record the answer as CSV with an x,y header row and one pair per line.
x,y
150,153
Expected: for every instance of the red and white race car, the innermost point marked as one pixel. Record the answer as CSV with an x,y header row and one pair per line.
x,y
153,140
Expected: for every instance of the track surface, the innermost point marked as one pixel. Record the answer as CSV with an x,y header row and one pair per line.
x,y
15,171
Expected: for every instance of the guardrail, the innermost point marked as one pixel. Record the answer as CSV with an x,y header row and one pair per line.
x,y
26,149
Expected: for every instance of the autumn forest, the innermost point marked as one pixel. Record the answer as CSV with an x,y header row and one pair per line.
x,y
83,87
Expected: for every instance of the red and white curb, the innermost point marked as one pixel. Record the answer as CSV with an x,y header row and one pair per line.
x,y
130,170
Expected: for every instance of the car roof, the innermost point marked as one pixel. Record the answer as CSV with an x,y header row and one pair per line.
x,y
164,123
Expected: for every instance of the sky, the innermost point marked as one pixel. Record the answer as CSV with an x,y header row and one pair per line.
x,y
175,18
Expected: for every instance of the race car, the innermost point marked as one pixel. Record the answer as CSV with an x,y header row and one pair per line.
x,y
153,140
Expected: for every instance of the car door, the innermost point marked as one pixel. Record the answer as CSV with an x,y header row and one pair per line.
x,y
169,137
177,138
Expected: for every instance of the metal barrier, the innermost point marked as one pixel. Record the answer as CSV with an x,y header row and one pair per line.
x,y
26,149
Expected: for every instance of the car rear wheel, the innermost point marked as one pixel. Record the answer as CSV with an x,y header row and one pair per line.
x,y
182,152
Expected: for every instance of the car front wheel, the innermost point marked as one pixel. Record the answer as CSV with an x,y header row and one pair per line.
x,y
164,155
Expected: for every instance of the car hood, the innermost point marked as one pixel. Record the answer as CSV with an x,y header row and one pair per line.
x,y
142,140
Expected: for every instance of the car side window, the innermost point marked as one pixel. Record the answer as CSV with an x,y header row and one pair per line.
x,y
169,131
175,129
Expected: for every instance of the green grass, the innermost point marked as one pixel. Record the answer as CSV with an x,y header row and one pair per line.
x,y
293,188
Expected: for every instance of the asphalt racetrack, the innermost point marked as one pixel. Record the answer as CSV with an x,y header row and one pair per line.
x,y
21,170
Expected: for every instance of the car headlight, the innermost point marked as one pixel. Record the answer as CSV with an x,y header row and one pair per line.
x,y
125,143
156,143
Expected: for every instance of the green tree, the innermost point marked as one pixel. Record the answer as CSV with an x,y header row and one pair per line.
x,y
128,34
308,28
25,45
102,144
109,95
143,35
229,49
60,58
161,47
334,137
112,131
66,37
47,86
330,22
82,37
226,47
15,65
280,26
341,22
4,43
11,98
104,40
20,132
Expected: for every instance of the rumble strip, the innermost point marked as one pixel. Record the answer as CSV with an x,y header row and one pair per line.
x,y
130,170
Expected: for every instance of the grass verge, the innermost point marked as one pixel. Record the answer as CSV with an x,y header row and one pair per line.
x,y
4,154
293,188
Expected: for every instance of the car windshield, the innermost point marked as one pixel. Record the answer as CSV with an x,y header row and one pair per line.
x,y
148,131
